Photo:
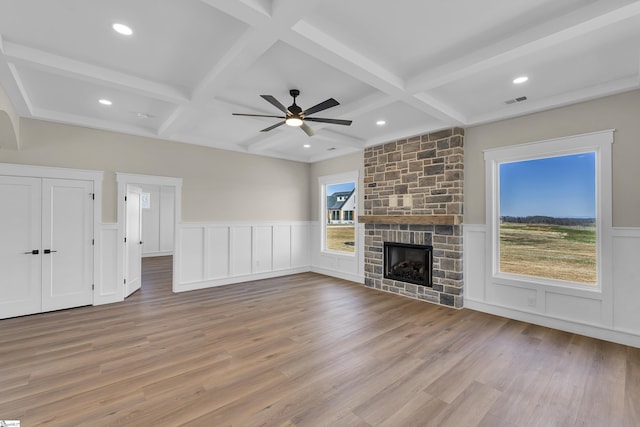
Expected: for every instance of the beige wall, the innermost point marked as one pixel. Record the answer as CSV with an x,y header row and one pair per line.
x,y
218,185
348,163
619,112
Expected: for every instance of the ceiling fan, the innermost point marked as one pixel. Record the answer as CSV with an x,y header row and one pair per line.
x,y
294,116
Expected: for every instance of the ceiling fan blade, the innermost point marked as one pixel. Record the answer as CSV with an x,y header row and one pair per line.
x,y
322,106
307,129
271,100
257,115
272,127
332,121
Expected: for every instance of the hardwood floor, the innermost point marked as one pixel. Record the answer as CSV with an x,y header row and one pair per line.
x,y
304,350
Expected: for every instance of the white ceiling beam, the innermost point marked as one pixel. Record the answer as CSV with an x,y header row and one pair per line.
x,y
406,133
441,106
323,46
265,140
551,33
285,136
331,154
66,67
24,95
244,52
340,139
265,31
13,85
9,123
251,12
581,95
85,121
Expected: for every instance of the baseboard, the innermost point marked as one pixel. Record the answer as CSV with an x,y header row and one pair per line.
x,y
153,254
592,331
192,286
338,274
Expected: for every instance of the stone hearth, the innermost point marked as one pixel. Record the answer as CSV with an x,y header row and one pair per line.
x,y
414,194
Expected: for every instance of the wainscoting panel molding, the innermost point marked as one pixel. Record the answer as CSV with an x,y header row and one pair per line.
x,y
107,288
572,310
347,267
215,254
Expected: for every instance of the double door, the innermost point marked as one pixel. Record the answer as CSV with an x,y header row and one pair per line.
x,y
46,244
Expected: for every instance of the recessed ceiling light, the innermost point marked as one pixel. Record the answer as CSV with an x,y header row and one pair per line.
x,y
122,29
381,122
519,80
307,145
105,102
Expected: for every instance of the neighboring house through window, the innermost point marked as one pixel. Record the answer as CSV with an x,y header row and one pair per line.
x,y
338,200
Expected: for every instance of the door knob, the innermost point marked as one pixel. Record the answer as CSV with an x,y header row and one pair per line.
x,y
48,251
33,252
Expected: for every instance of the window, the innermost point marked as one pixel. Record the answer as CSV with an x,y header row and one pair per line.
x,y
338,212
548,210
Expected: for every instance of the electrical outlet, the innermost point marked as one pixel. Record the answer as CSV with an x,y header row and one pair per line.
x,y
531,301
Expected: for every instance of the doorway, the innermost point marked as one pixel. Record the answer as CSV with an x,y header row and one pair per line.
x,y
132,202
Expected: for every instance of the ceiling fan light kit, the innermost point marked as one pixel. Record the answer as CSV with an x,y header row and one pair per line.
x,y
294,121
295,116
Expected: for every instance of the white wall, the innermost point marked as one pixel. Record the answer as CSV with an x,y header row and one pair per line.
x,y
613,316
221,253
157,221
348,267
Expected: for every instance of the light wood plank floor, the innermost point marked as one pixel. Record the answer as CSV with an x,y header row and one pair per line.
x,y
304,350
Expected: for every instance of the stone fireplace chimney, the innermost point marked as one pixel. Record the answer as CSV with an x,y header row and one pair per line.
x,y
414,195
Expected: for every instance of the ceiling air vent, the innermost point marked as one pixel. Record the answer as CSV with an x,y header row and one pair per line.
x,y
513,101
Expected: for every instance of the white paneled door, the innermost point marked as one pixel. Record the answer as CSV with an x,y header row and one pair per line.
x,y
67,243
46,244
20,246
133,236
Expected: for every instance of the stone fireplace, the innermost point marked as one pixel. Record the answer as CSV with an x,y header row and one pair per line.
x,y
414,196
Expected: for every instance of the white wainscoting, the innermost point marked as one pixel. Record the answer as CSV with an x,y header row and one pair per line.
x,y
215,254
107,288
347,267
574,310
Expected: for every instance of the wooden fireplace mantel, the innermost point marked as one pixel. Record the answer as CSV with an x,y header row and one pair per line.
x,y
411,219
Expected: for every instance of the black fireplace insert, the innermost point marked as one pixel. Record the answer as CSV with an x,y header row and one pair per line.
x,y
408,263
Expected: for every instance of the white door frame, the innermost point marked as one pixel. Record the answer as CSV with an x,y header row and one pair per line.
x,y
124,179
133,279
63,173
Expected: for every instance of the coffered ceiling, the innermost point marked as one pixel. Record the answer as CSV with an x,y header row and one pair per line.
x,y
419,65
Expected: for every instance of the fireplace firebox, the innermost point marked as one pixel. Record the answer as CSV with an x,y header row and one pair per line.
x,y
408,263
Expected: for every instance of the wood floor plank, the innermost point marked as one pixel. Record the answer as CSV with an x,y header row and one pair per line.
x,y
304,350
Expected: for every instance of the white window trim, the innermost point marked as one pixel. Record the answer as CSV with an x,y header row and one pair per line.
x,y
323,181
598,142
